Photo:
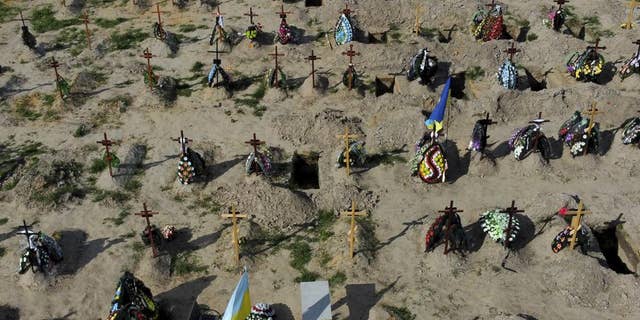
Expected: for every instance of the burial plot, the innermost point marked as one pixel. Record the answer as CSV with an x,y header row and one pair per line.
x,y
304,171
384,85
234,216
352,229
312,3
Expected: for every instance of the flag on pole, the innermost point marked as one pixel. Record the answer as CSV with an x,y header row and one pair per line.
x,y
436,118
239,306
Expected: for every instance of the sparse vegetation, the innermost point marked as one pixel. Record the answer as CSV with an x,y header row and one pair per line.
x,y
4,221
338,279
109,23
474,73
186,263
81,131
118,197
2,251
7,12
43,20
325,222
399,313
197,67
126,40
97,165
369,243
300,255
187,28
253,100
531,36
132,185
73,38
118,220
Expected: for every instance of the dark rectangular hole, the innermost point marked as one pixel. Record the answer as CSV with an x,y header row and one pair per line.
x,y
304,171
608,242
378,37
384,85
312,3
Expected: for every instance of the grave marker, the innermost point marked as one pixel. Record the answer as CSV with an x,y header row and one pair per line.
x,y
511,211
418,23
449,211
160,33
85,20
576,219
184,141
350,53
346,137
146,214
255,142
352,229
596,47
54,64
275,71
217,61
251,15
234,218
511,51
313,58
107,143
592,114
150,76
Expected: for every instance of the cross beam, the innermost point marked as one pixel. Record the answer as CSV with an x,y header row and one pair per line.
x,y
54,64
146,214
275,72
487,121
313,58
511,211
234,220
27,233
184,141
347,137
560,3
352,229
596,47
346,11
575,222
282,13
107,143
217,61
148,55
491,5
251,15
449,212
351,53
539,120
511,51
85,20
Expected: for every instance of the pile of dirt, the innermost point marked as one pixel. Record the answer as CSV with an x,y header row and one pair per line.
x,y
302,130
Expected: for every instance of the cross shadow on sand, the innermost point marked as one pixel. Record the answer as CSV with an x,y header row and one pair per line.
x,y
283,311
458,166
361,298
8,312
183,242
218,169
78,252
178,302
402,233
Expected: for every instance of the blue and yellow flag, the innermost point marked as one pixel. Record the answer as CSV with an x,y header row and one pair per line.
x,y
436,118
239,306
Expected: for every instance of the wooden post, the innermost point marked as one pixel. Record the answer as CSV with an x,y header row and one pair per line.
x,y
350,53
632,7
21,19
449,212
352,229
313,58
511,211
251,15
255,142
592,115
560,3
148,55
234,218
107,143
487,121
27,233
217,61
637,42
184,141
282,13
417,24
275,71
511,51
575,222
54,64
160,20
85,20
346,137
346,11
596,47
146,214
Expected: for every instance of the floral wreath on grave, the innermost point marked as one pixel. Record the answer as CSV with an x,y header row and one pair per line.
x,y
556,19
585,66
631,131
115,161
357,155
133,300
344,30
437,232
159,32
284,34
271,78
186,170
631,66
508,75
495,223
422,65
156,233
523,142
168,232
489,25
574,134
429,162
40,253
563,239
262,159
252,32
261,311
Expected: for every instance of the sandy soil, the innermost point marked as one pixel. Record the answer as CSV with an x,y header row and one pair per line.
x,y
393,271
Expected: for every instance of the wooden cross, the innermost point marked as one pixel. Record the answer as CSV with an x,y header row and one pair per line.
x,y
539,120
560,3
54,64
596,47
632,7
184,141
491,5
275,72
234,218
575,222
22,19
418,23
85,20
107,143
638,43
255,142
216,60
148,55
159,17
282,13
352,229
592,114
347,137
487,121
251,15
146,214
346,11
27,233
449,31
313,58
511,211
351,53
511,51
449,211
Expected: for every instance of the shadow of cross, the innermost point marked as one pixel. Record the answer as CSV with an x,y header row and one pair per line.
x,y
361,298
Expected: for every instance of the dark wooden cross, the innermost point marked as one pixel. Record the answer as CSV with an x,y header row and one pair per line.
x,y
148,55
54,64
276,55
217,61
159,17
511,51
184,141
596,47
255,142
27,233
282,13
638,43
85,20
560,3
313,58
22,19
491,5
107,143
350,53
449,212
511,211
148,214
539,119
251,15
450,31
346,11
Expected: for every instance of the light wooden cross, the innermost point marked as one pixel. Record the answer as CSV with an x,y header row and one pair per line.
x,y
85,20
418,22
592,114
632,7
346,136
352,230
234,218
575,222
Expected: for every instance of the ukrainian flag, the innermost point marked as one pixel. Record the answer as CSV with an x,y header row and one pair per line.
x,y
239,306
436,118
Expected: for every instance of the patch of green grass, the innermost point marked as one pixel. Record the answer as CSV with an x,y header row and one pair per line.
x,y
396,36
325,258
591,21
369,243
337,279
186,263
531,36
43,20
187,28
117,196
7,12
326,219
300,255
126,40
387,158
109,23
4,221
58,195
81,131
2,251
183,89
306,276
73,38
48,99
132,185
253,100
118,220
25,109
474,73
97,165
207,204
399,313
